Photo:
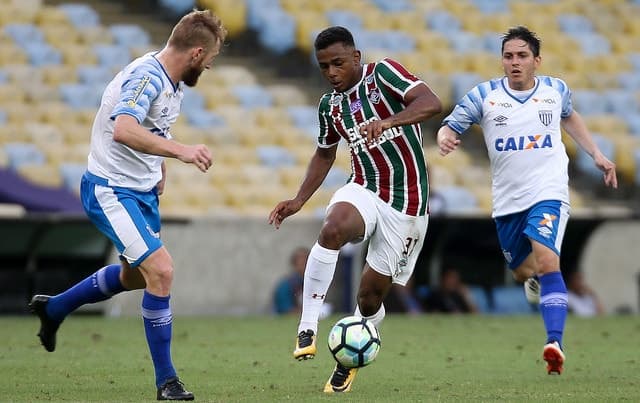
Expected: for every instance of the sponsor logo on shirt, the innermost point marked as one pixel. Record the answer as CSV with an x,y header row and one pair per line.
x,y
500,120
355,106
549,101
138,91
501,104
523,143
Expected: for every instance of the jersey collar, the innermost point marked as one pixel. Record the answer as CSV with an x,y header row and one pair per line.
x,y
505,87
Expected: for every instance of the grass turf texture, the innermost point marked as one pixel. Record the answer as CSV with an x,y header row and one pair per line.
x,y
422,359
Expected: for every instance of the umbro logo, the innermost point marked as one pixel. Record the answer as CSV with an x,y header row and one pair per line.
x,y
500,120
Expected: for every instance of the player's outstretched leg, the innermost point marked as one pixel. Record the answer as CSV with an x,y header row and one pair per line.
x,y
341,379
173,389
48,326
532,290
553,355
305,345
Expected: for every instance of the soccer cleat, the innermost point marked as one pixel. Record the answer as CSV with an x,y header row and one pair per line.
x,y
532,290
305,345
553,355
340,380
48,327
173,389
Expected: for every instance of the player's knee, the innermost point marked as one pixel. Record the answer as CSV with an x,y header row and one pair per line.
x,y
369,302
333,235
547,263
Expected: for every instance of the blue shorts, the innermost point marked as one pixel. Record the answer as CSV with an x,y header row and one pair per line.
x,y
130,219
544,222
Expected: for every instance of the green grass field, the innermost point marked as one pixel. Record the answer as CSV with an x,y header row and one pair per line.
x,y
422,359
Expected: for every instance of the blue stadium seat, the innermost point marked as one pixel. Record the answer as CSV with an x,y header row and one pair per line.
x,y
510,300
80,15
305,118
589,102
634,58
80,96
344,18
465,42
335,178
112,56
201,118
574,24
42,54
89,74
457,199
592,44
192,99
621,102
130,35
461,83
278,31
252,96
393,5
633,123
493,42
71,174
443,22
275,156
177,8
584,162
24,34
256,10
491,6
629,80
20,154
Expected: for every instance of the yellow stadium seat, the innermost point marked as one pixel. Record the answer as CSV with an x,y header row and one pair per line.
x,y
95,35
271,116
570,145
607,124
51,16
41,174
77,54
236,155
624,158
286,94
55,113
60,35
235,115
232,13
427,41
308,22
12,54
18,113
57,74
43,135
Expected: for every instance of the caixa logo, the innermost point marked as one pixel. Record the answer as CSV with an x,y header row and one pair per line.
x,y
523,143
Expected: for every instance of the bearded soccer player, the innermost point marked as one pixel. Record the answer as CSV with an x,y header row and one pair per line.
x,y
125,175
377,109
521,115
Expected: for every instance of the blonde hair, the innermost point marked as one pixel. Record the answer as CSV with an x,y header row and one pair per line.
x,y
197,29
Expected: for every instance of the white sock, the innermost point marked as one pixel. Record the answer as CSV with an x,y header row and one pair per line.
x,y
376,318
318,274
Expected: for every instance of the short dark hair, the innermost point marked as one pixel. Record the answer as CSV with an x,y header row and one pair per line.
x,y
333,35
522,32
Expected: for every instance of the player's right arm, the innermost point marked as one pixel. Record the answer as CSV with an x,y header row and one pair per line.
x,y
129,132
466,112
317,171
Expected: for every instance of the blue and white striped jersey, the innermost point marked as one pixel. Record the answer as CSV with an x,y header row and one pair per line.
x,y
523,137
143,90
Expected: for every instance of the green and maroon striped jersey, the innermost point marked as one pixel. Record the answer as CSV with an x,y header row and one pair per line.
x,y
395,167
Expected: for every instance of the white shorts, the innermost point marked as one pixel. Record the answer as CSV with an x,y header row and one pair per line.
x,y
395,239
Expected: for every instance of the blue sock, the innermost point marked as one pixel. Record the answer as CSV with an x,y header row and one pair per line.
x,y
553,305
157,318
99,286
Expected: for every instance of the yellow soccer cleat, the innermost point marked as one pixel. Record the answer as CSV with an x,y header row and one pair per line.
x,y
340,380
305,345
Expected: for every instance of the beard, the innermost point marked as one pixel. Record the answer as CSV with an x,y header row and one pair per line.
x,y
190,77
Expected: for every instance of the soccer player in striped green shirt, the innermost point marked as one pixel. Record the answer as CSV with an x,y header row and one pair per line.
x,y
377,109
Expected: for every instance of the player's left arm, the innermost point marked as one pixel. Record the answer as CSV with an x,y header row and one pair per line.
x,y
575,126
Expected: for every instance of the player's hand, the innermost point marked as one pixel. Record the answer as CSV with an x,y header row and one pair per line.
x,y
447,140
608,168
198,155
373,130
160,186
283,210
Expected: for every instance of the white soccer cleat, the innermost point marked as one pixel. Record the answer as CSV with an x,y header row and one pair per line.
x,y
532,290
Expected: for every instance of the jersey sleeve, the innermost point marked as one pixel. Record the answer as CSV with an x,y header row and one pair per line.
x,y
565,94
328,135
395,77
139,89
468,110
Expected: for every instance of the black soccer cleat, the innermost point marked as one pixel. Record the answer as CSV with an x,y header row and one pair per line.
x,y
48,326
173,389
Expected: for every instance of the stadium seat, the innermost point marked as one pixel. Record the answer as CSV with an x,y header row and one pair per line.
x,y
575,24
252,96
130,35
344,18
41,174
461,83
394,6
621,102
177,8
80,96
335,178
80,15
115,56
457,199
24,34
90,74
71,174
42,54
22,154
589,102
201,118
277,30
490,7
275,156
633,121
636,157
584,162
465,42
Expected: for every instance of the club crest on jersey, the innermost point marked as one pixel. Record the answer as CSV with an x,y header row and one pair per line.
x,y
545,116
369,79
523,143
335,99
355,106
374,96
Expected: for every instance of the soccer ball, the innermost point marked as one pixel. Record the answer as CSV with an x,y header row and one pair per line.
x,y
354,342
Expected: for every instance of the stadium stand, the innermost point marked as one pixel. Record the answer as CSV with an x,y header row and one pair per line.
x,y
57,57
